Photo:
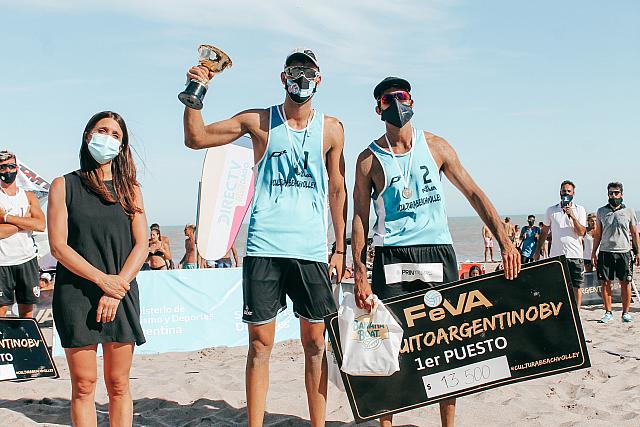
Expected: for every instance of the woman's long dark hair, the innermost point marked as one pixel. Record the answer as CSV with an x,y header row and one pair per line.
x,y
122,168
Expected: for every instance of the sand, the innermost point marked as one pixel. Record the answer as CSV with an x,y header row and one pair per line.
x,y
206,388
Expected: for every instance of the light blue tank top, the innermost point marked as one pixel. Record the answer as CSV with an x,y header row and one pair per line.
x,y
419,219
289,212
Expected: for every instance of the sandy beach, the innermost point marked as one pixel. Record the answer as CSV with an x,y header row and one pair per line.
x,y
206,388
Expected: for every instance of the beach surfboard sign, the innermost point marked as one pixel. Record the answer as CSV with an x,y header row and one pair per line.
x,y
478,334
224,197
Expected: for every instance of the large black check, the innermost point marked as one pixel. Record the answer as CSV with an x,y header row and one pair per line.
x,y
472,335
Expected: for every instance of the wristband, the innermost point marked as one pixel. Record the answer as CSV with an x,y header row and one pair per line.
x,y
340,252
4,220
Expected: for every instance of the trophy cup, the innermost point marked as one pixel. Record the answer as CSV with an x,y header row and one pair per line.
x,y
215,60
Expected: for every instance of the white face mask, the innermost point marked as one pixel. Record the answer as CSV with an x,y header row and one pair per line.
x,y
103,148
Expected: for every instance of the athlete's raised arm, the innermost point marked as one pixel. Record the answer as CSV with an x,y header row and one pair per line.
x,y
197,135
450,164
360,227
337,191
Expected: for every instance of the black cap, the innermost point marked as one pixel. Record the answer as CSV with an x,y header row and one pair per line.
x,y
390,82
303,54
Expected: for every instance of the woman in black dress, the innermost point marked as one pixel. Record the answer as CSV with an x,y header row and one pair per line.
x,y
98,234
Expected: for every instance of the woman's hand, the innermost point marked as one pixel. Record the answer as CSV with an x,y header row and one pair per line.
x,y
107,309
113,286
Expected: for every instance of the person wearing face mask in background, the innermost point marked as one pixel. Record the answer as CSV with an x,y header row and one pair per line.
x,y
98,234
400,172
588,242
20,216
299,160
529,238
617,238
567,221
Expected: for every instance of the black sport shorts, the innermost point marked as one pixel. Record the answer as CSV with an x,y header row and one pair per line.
x,y
576,271
266,282
398,270
23,280
615,265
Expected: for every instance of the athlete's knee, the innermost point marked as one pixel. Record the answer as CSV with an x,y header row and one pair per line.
x,y
313,345
84,387
260,348
117,385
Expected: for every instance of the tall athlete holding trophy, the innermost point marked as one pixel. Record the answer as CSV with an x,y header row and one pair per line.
x,y
298,153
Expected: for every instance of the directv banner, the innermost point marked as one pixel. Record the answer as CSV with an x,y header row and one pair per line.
x,y
469,336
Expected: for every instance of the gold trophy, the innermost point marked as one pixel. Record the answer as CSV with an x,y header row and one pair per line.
x,y
215,60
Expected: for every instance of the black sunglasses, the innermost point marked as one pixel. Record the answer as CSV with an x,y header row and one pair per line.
x,y
8,166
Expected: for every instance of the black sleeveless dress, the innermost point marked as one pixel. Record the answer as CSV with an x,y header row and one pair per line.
x,y
101,233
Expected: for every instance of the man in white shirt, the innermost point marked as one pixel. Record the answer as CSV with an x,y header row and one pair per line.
x,y
567,222
20,215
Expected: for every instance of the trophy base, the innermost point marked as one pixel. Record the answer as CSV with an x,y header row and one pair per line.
x,y
193,95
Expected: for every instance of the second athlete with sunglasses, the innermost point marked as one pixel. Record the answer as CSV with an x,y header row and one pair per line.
x,y
299,160
400,172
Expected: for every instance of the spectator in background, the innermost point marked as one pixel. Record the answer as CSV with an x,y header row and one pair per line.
x,y
20,216
167,244
191,259
529,237
546,244
225,261
475,271
510,229
567,222
588,242
487,237
158,257
616,236
516,236
46,282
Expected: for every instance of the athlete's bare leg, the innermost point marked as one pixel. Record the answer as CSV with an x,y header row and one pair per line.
x,y
315,370
25,310
606,295
447,415
577,292
625,290
447,412
257,370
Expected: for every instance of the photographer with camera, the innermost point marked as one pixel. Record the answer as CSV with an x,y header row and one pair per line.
x,y
567,222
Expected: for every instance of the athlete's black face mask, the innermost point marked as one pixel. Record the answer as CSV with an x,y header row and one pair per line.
x,y
531,222
397,114
8,177
301,89
615,202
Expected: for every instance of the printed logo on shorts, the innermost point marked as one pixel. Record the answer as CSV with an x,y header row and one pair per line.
x,y
369,335
408,272
36,291
247,311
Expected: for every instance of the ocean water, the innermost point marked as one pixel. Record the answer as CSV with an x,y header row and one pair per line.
x,y
465,231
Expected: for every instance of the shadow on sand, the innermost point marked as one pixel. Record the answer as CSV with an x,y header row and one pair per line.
x,y
159,412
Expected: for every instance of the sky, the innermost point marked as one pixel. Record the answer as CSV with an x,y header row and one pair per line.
x,y
528,93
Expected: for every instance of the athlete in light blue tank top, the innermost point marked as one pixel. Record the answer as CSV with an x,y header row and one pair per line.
x,y
289,212
410,209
